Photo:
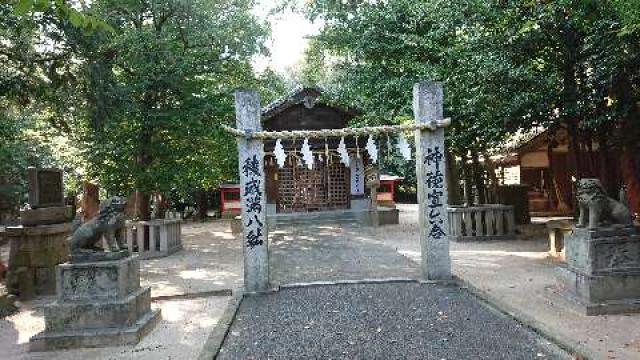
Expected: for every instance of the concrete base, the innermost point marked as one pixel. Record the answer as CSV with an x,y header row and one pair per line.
x,y
601,294
602,273
98,304
131,335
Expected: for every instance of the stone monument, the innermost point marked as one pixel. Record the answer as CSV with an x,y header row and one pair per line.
x,y
99,298
602,272
39,243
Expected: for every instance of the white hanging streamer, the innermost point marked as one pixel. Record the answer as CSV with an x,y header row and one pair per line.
x,y
372,149
307,154
403,147
342,150
279,153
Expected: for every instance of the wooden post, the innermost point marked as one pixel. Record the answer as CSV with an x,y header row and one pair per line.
x,y
432,182
252,192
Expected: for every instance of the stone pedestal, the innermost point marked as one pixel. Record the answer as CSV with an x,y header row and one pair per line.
x,y
603,270
35,252
98,304
46,216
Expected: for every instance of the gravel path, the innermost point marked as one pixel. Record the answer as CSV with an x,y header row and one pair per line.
x,y
378,321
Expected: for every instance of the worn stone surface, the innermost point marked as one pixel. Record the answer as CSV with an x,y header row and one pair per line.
x,y
109,224
603,269
252,190
597,209
45,187
603,250
154,238
432,183
34,253
93,256
98,304
378,321
98,281
45,216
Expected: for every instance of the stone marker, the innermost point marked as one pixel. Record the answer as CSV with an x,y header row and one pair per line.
x,y
40,243
252,191
432,183
46,188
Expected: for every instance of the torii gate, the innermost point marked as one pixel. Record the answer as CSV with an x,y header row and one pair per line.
x,y
430,171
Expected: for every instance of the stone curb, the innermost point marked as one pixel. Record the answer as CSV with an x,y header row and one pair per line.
x,y
572,347
347,282
219,292
219,333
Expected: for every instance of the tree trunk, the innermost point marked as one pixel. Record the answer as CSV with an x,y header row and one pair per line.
x,y
561,205
492,189
478,180
202,204
90,201
453,176
468,180
143,210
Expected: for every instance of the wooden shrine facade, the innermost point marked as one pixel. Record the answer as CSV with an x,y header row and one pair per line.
x,y
329,185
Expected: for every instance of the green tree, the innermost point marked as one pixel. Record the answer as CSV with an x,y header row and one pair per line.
x,y
159,87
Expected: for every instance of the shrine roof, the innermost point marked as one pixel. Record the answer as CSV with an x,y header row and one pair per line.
x,y
306,100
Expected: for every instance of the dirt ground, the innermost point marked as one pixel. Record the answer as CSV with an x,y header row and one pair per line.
x,y
181,285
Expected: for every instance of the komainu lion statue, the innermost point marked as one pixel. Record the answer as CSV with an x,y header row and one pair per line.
x,y
596,208
109,222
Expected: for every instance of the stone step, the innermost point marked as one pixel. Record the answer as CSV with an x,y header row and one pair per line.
x,y
113,336
97,315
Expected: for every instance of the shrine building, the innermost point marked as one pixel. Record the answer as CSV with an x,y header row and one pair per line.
x,y
329,185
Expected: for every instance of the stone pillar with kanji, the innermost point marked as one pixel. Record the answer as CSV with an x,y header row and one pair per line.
x,y
252,193
432,182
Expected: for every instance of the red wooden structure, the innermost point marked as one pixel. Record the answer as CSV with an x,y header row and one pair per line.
x,y
229,199
386,192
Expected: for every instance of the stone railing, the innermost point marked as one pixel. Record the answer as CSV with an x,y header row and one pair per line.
x,y
165,237
485,222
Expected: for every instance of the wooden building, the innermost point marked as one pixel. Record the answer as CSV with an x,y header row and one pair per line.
x,y
541,160
329,185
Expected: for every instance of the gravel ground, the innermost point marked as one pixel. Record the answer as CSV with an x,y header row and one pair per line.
x,y
381,321
520,274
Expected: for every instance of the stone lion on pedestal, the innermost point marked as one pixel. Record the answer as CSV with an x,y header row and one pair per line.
x,y
596,208
110,223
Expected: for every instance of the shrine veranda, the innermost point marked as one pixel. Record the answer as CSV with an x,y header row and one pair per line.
x,y
430,170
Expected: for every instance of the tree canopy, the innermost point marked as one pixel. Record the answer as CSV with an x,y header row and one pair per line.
x,y
139,89
506,65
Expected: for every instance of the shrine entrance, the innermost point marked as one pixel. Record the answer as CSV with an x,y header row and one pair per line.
x,y
307,178
306,190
